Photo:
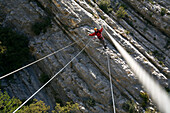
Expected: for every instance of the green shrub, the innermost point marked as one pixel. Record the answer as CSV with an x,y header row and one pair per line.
x,y
2,48
103,17
121,13
35,107
161,63
41,26
68,108
58,100
28,103
145,98
16,50
163,11
127,32
151,14
151,111
129,106
8,104
151,1
105,5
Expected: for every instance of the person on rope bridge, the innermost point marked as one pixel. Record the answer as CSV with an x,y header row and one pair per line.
x,y
98,32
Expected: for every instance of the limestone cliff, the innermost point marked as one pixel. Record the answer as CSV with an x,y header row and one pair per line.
x,y
86,78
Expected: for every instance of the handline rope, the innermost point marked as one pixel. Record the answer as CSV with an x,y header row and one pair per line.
x,y
111,88
37,60
51,78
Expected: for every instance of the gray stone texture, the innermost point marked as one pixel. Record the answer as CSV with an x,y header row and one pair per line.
x,y
87,76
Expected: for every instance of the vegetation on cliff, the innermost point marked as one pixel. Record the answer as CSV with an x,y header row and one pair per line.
x,y
8,105
14,50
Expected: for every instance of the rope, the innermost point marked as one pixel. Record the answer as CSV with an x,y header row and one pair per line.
x,y
50,79
111,84
37,60
157,93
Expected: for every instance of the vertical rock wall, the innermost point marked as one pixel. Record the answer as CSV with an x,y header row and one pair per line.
x,y
86,79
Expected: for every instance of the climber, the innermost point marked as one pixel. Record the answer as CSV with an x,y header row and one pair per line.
x,y
98,32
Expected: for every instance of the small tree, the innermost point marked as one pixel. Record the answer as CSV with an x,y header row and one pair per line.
x,y
151,1
14,50
2,48
121,13
35,107
163,11
130,106
145,97
7,104
66,109
105,5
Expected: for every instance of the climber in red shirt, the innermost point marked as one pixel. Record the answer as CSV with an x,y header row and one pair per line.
x,y
98,32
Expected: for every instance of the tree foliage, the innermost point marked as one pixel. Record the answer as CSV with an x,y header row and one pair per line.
x,y
121,13
163,11
8,105
35,107
2,48
145,97
129,106
105,5
66,109
14,50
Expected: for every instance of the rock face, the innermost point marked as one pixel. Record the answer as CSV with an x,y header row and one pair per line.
x,y
86,79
